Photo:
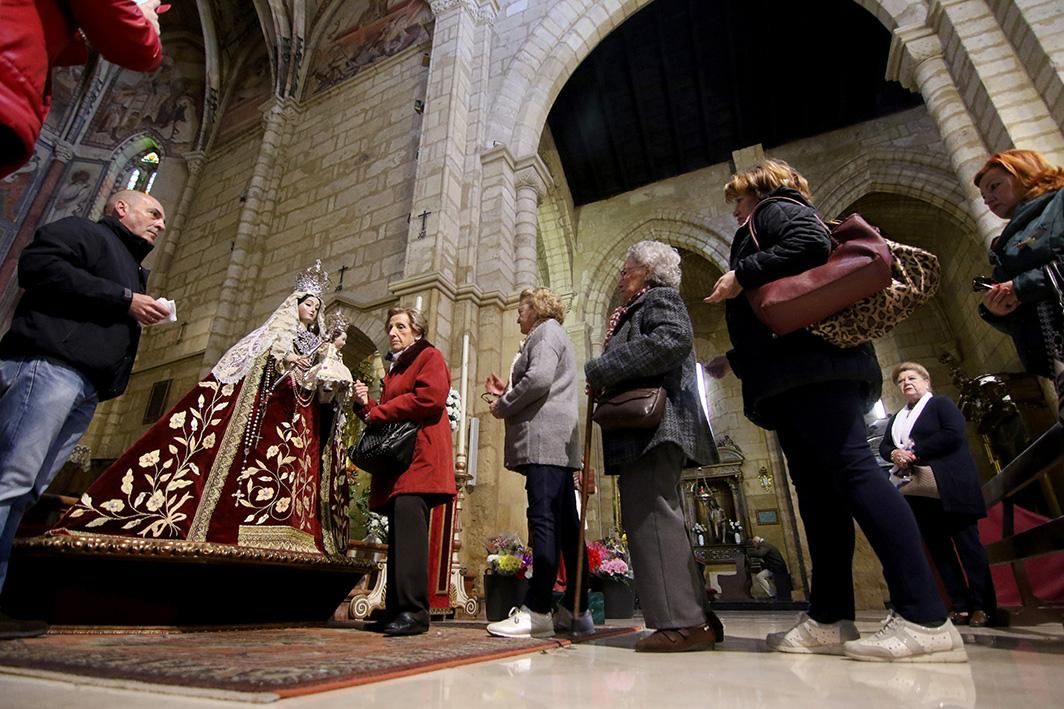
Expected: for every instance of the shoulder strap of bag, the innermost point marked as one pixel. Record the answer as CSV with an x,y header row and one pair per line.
x,y
750,221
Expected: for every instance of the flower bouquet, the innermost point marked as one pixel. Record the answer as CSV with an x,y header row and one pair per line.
x,y
454,408
699,531
506,577
508,556
608,559
736,528
607,562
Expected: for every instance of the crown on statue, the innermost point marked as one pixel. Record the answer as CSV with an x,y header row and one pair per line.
x,y
336,322
314,280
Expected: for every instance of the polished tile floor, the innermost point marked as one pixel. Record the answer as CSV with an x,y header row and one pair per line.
x,y
1020,668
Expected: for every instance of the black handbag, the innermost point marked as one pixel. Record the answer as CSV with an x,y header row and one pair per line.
x,y
639,408
385,448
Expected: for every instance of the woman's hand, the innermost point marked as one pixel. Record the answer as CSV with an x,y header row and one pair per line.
x,y
493,407
901,458
718,367
494,385
361,393
726,287
300,362
1001,300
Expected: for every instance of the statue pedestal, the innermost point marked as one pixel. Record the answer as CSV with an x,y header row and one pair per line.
x,y
122,581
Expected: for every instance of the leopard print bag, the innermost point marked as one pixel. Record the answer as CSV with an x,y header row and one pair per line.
x,y
915,275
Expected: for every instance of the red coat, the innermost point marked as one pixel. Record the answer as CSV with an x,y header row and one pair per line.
x,y
36,35
416,389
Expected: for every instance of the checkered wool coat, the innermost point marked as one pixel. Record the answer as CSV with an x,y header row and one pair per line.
x,y
653,345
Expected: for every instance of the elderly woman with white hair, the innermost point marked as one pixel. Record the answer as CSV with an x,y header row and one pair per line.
x,y
649,343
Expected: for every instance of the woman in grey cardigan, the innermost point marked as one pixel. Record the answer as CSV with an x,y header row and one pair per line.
x,y
649,342
539,407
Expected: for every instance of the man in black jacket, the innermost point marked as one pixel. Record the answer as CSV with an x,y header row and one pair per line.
x,y
71,345
774,578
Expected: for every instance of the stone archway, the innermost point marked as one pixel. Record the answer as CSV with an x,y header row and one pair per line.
x,y
549,57
677,229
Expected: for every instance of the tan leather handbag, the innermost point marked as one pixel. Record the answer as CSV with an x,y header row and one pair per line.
x,y
922,483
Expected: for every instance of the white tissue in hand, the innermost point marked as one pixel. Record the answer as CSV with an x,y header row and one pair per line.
x,y
169,305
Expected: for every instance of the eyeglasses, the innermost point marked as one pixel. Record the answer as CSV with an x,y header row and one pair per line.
x,y
488,397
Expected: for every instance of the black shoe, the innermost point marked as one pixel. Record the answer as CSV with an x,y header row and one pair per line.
x,y
378,626
407,623
13,628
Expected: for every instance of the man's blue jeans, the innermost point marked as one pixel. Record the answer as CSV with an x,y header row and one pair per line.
x,y
45,407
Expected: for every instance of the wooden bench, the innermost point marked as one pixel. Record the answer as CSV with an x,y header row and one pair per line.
x,y
1041,457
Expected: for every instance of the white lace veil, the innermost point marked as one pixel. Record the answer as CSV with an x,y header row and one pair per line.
x,y
277,333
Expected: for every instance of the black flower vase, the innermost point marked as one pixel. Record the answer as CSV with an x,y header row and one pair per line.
x,y
501,593
620,600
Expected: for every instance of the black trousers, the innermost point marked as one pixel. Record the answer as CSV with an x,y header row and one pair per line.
x,y
408,555
554,530
950,537
822,432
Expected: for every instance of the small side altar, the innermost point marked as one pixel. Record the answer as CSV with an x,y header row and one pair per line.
x,y
717,520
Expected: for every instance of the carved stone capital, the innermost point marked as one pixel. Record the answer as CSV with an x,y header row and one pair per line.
x,y
532,172
443,7
910,47
487,12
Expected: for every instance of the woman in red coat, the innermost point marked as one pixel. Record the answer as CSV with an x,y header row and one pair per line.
x,y
415,389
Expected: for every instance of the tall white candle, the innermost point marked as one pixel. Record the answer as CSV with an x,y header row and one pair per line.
x,y
418,302
463,392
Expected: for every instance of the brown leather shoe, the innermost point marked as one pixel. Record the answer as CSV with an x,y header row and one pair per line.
x,y
979,619
697,637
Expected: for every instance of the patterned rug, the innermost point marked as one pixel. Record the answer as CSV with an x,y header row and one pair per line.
x,y
262,665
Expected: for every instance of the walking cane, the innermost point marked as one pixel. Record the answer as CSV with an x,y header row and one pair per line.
x,y
587,485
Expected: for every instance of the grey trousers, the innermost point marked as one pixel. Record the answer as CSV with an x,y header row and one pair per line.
x,y
670,588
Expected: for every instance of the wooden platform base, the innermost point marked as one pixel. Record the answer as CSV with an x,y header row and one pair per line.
x,y
100,580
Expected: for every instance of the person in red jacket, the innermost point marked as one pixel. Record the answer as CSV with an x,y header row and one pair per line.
x,y
36,35
415,389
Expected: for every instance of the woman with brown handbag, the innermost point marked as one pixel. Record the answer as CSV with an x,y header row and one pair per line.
x,y
928,432
814,395
649,343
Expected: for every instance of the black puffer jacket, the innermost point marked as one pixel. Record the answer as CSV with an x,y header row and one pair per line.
x,y
80,277
792,240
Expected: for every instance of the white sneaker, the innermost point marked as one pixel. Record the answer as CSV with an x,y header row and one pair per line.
x,y
523,623
901,641
810,637
565,623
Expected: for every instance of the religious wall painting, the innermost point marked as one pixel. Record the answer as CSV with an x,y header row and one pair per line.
x,y
77,190
363,33
167,104
243,109
18,189
65,83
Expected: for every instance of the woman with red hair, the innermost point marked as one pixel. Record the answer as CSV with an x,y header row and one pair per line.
x,y
1025,188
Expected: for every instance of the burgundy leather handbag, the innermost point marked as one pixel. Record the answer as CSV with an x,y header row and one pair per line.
x,y
858,267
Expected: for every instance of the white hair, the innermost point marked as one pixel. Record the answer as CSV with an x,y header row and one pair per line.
x,y
661,261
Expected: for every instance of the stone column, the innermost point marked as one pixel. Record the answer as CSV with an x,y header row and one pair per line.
x,y
994,83
916,62
438,186
495,259
532,179
244,247
161,273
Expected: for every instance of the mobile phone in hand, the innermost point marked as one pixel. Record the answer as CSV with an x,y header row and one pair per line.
x,y
982,283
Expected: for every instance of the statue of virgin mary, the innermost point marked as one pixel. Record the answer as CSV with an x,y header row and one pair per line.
x,y
248,457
